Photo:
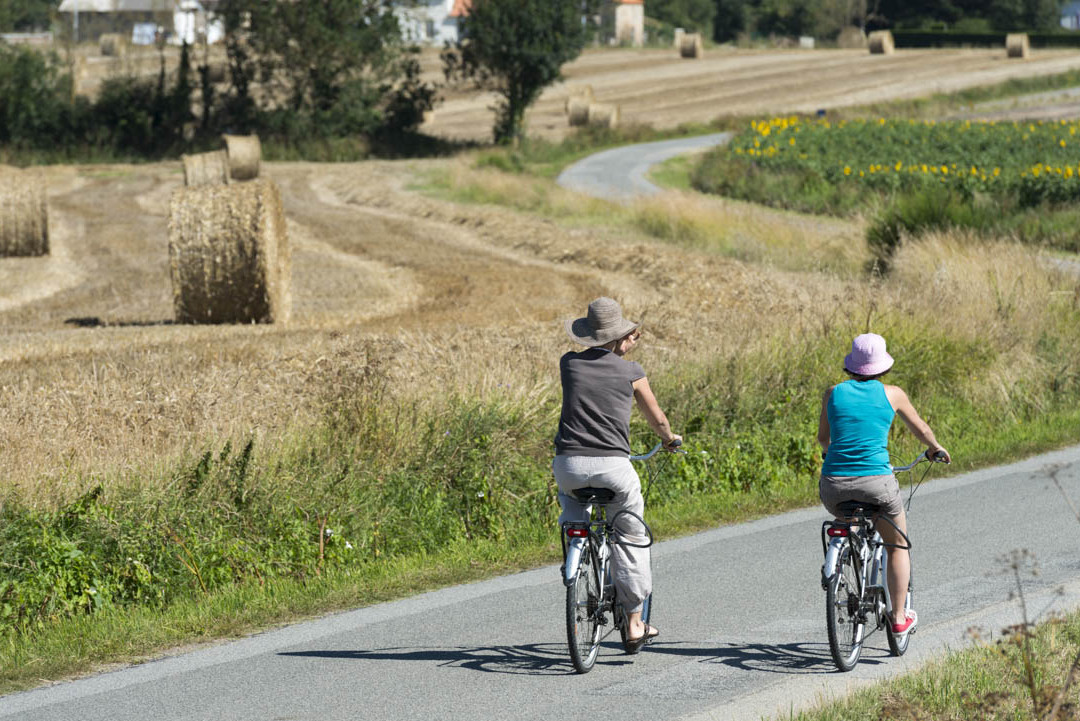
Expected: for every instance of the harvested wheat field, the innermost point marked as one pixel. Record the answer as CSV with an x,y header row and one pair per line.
x,y
95,376
657,87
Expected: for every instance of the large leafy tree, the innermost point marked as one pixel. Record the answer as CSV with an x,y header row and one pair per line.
x,y
26,15
693,15
331,66
516,48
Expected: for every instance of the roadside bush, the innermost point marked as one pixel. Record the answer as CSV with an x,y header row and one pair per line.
x,y
912,214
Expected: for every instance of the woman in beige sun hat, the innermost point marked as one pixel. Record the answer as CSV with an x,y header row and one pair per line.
x,y
592,447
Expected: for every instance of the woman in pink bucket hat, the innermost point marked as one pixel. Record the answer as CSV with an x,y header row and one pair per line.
x,y
853,431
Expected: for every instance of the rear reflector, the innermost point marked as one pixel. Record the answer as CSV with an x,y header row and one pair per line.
x,y
577,532
837,532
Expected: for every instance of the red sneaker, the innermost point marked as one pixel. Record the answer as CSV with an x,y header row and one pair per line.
x,y
908,624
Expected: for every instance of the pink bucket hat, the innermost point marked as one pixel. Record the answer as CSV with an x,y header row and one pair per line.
x,y
868,356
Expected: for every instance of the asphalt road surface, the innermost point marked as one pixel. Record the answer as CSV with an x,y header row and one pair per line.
x,y
620,173
740,608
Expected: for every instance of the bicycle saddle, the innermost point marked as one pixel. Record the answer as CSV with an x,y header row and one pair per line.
x,y
848,508
593,495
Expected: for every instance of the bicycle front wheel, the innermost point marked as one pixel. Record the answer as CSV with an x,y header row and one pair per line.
x,y
583,614
843,613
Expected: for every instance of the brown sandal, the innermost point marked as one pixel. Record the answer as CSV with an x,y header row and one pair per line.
x,y
633,645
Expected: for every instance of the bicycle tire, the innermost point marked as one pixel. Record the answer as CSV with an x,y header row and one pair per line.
x,y
842,604
583,614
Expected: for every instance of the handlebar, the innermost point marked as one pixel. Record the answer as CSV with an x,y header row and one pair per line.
x,y
657,447
938,457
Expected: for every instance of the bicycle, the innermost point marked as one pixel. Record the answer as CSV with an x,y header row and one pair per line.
x,y
854,580
590,592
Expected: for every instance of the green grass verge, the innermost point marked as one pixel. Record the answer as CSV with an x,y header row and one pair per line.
x,y
1020,678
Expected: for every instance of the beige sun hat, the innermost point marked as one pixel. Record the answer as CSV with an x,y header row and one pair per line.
x,y
603,324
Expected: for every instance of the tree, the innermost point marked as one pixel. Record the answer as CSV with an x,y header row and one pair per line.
x,y
1009,15
325,67
25,15
693,15
516,48
730,19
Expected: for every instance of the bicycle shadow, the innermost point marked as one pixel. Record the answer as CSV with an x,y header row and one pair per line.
x,y
536,659
785,658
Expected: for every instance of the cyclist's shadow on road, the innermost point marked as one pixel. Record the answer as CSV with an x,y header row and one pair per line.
x,y
789,658
535,659
551,659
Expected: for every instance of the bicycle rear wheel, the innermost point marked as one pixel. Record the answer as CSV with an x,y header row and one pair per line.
x,y
583,614
842,613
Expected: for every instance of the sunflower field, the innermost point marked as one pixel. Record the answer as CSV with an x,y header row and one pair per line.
x,y
1013,179
1035,161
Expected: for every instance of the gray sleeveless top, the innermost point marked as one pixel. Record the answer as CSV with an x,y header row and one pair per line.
x,y
597,398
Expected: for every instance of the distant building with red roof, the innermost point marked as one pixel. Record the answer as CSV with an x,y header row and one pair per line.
x,y
461,8
622,22
432,22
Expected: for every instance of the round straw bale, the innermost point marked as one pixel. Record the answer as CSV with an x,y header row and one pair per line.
x,y
881,42
578,92
229,254
851,38
245,153
24,216
692,46
604,116
1017,45
577,111
216,72
679,34
206,168
114,44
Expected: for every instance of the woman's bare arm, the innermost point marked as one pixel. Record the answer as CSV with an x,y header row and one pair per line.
x,y
824,434
655,417
918,427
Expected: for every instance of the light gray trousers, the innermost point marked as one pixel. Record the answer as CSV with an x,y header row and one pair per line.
x,y
629,566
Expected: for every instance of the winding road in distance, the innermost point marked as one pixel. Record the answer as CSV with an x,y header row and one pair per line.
x,y
740,608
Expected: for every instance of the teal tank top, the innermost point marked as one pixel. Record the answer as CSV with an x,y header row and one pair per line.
x,y
859,419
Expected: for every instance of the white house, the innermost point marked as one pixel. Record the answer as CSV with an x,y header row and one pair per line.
x,y
181,19
1070,16
431,22
623,21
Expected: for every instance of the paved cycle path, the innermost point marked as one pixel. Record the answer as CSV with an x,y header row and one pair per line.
x,y
620,173
740,608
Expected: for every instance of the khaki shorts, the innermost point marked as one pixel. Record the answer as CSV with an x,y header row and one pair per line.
x,y
883,491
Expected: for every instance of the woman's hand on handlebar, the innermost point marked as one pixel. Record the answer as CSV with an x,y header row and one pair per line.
x,y
938,454
674,442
